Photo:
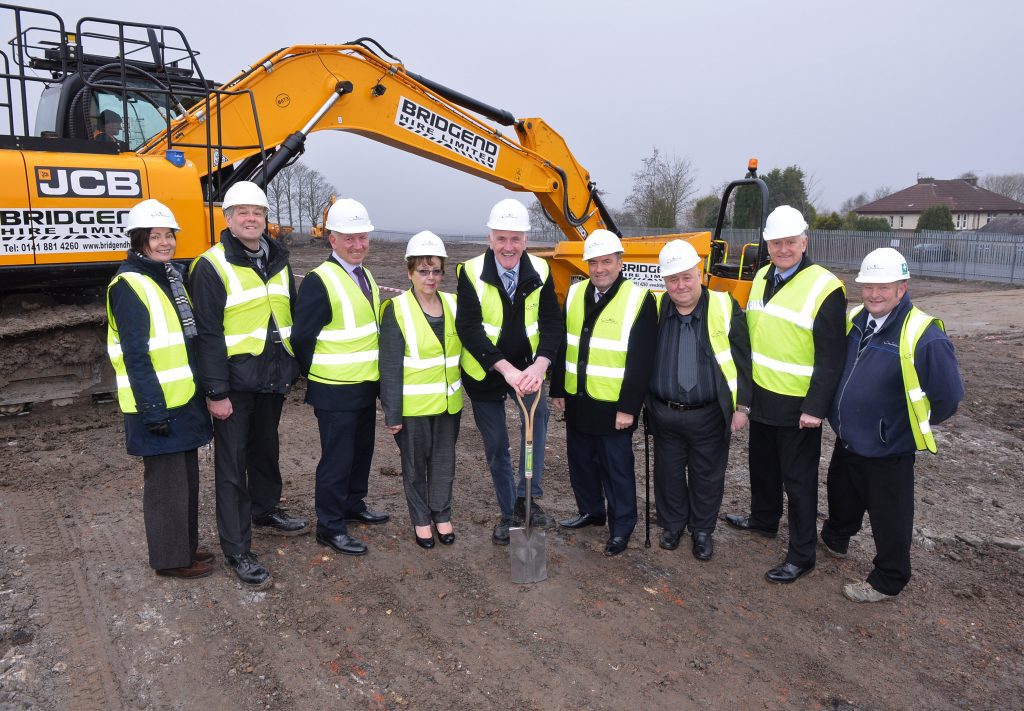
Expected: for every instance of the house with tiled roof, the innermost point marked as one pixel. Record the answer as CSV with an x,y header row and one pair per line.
x,y
972,207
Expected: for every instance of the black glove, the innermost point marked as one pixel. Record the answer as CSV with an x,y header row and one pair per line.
x,y
160,429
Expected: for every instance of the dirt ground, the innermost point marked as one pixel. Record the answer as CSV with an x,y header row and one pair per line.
x,y
84,623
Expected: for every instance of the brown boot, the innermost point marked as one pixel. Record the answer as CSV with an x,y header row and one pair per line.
x,y
202,555
196,570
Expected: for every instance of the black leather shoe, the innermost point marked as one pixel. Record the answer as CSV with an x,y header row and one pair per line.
x,y
833,552
343,543
615,545
744,523
787,573
280,523
670,539
500,534
537,516
446,539
249,570
703,547
367,516
427,543
581,521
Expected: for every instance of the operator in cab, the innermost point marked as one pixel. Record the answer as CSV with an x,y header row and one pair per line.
x,y
151,341
110,125
244,293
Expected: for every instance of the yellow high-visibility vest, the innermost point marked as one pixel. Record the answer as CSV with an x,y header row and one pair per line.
x,y
346,349
493,313
250,304
609,341
719,324
919,408
781,331
431,378
166,345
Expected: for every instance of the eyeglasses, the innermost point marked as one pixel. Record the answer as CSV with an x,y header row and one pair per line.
x,y
429,272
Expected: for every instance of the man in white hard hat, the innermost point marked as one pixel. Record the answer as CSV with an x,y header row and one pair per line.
x,y
795,315
601,383
336,344
901,378
700,392
243,291
510,326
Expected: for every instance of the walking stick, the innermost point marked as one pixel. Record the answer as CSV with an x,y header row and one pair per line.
x,y
647,482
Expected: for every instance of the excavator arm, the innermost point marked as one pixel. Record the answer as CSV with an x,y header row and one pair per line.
x,y
306,88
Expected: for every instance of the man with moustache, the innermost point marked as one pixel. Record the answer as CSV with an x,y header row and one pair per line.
x,y
699,388
510,327
601,383
336,345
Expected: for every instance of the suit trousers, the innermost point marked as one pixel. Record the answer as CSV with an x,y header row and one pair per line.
x,y
343,474
489,416
601,472
786,459
691,451
884,487
246,470
170,508
427,445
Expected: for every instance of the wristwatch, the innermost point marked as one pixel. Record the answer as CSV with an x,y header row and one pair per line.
x,y
743,409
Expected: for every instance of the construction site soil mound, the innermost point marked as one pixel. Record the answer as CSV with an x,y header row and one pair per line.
x,y
84,623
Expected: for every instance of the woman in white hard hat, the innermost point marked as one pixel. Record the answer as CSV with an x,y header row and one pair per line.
x,y
150,341
421,387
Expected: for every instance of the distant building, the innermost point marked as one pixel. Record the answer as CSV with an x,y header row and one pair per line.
x,y
972,207
1005,226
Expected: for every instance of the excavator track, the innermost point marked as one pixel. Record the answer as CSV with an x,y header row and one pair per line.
x,y
52,353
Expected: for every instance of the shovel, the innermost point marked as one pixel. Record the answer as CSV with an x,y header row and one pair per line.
x,y
529,561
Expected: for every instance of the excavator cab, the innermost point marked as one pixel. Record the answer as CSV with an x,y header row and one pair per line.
x,y
731,263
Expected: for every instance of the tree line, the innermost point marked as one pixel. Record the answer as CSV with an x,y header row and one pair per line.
x,y
298,196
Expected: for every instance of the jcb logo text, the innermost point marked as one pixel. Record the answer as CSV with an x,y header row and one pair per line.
x,y
88,183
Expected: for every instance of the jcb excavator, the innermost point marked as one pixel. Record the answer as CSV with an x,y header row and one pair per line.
x,y
185,140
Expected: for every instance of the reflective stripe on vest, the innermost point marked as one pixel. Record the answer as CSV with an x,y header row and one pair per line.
x,y
166,345
719,324
919,408
431,379
250,304
781,338
492,309
346,348
606,361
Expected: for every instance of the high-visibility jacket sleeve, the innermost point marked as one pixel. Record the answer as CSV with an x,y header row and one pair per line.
x,y
312,312
640,352
208,299
132,318
739,345
391,364
469,323
829,333
549,321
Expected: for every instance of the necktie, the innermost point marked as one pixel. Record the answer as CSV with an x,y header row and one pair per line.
x,y
510,284
687,364
598,295
868,333
363,284
778,282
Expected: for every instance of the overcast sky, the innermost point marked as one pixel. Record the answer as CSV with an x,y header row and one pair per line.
x,y
858,94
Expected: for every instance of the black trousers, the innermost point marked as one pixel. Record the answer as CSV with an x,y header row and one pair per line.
x,y
343,474
170,508
601,467
786,459
691,451
884,487
427,445
246,470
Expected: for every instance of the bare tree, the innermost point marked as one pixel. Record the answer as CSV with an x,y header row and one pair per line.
x,y
282,193
316,194
1011,185
661,190
856,201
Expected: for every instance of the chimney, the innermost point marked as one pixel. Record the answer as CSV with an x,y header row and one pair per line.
x,y
971,180
921,180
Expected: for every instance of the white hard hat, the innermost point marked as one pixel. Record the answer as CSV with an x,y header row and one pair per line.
x,y
425,244
348,217
150,213
600,243
883,266
245,193
677,256
509,214
785,221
